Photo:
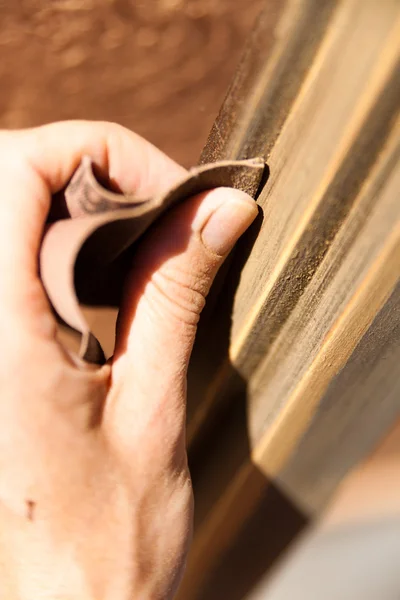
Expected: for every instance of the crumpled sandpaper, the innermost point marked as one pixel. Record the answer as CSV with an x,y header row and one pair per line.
x,y
87,251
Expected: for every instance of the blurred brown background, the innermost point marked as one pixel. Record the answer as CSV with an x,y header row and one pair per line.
x,y
160,67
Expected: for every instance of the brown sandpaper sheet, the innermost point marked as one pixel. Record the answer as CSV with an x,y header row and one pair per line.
x,y
87,250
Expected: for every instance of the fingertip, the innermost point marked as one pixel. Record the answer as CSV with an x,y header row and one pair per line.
x,y
223,217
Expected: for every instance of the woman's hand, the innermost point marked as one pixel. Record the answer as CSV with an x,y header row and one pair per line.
x,y
95,494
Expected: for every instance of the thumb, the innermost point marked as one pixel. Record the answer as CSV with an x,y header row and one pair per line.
x,y
172,274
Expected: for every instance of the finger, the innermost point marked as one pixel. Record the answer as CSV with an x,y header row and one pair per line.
x,y
55,151
171,276
38,162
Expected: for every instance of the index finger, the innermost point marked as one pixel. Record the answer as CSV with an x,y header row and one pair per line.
x,y
36,163
55,151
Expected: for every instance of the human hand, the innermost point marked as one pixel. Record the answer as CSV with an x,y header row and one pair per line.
x,y
95,494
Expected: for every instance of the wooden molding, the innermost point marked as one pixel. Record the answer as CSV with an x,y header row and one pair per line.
x,y
295,374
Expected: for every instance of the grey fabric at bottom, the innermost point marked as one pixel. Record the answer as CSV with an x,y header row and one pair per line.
x,y
354,562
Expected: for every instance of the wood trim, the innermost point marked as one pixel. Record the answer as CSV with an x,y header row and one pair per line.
x,y
309,289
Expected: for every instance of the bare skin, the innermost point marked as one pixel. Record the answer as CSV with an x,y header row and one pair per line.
x,y
95,493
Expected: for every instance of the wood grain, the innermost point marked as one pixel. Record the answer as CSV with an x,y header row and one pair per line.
x,y
307,382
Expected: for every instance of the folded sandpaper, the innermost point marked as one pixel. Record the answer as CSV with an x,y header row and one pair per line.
x,y
87,248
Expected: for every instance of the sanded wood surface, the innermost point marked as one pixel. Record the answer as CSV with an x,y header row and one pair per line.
x,y
307,381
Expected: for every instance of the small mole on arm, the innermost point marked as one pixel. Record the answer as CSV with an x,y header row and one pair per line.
x,y
30,509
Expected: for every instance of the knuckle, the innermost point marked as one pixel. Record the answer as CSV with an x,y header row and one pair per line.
x,y
182,295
